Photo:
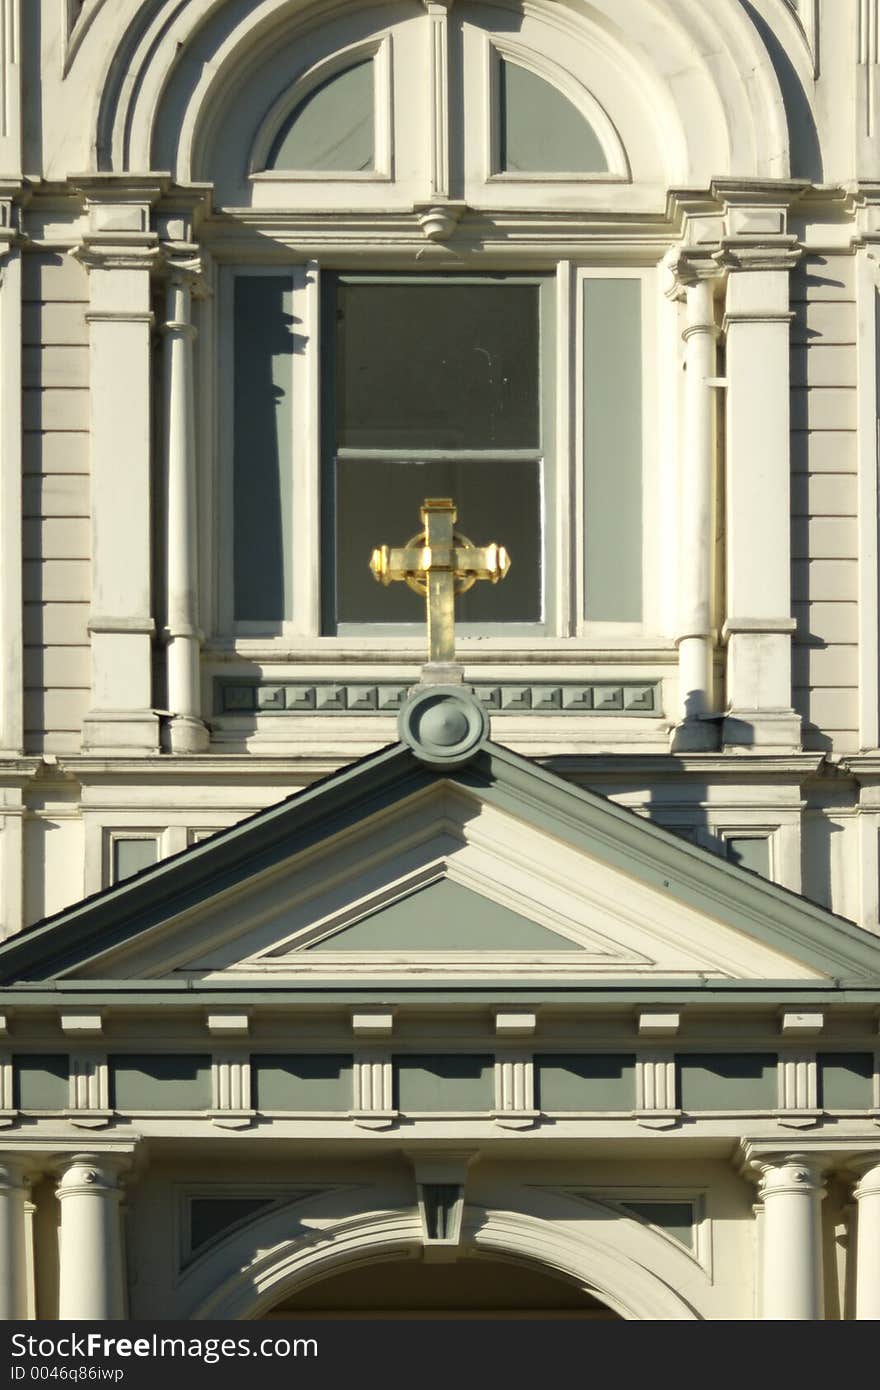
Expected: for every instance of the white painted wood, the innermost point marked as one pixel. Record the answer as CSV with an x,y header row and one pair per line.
x,y
13,1261
867,1195
91,1277
11,728
792,1284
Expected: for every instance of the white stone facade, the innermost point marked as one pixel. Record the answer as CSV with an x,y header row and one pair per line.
x,y
732,698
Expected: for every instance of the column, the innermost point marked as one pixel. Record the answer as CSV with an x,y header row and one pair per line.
x,y
791,1190
120,252
91,1280
867,1195
759,626
187,732
13,1255
698,529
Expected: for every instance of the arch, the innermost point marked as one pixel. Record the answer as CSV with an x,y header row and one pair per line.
x,y
700,66
252,1271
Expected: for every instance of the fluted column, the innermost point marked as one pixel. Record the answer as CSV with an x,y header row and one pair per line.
x,y
91,1279
867,1195
188,733
13,1259
792,1286
697,523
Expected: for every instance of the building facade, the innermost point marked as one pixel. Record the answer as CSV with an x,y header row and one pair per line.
x,y
553,985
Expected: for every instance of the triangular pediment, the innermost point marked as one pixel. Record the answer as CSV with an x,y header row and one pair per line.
x,y
392,872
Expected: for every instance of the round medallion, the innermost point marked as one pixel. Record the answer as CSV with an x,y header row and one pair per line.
x,y
444,725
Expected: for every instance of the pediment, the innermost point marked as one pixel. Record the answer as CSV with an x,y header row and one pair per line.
x,y
391,872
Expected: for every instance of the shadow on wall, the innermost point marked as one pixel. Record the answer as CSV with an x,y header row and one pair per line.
x,y
805,152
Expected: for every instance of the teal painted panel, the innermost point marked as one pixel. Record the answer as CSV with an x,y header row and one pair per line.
x,y
613,450
263,448
130,856
728,1081
675,1218
846,1080
585,1081
750,852
445,917
456,1081
541,131
333,129
164,1081
310,1081
40,1081
209,1217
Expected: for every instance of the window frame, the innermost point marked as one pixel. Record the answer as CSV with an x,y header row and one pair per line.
x,y
562,368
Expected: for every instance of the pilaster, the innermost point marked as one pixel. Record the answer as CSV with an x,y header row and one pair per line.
x,y
13,1241
867,1196
182,633
11,653
120,253
695,280
758,254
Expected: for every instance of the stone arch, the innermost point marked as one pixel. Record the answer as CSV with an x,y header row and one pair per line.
x,y
246,1275
714,96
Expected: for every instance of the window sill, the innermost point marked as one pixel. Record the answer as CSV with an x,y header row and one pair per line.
x,y
617,647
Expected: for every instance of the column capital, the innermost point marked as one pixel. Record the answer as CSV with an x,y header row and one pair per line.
x,y
866,1170
91,1173
790,1175
185,266
739,253
688,266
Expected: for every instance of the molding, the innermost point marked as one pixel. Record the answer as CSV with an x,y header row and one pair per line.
x,y
233,696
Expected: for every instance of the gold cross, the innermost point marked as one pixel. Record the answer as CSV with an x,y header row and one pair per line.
x,y
439,563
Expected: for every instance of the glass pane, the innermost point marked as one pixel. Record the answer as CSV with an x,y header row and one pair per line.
x,y
541,131
332,129
130,856
210,1216
439,366
750,852
264,344
613,450
676,1218
378,502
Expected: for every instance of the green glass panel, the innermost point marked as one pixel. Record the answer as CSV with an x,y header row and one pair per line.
x,y
613,449
332,129
262,465
130,856
40,1081
209,1217
750,852
164,1081
313,1081
585,1081
445,917
379,499
846,1080
542,132
456,1081
444,365
675,1218
728,1081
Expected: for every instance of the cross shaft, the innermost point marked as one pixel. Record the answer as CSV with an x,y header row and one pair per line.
x,y
439,563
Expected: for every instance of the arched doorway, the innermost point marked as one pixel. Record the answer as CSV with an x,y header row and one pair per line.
x,y
478,1288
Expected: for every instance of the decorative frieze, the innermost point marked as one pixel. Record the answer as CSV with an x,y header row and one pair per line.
x,y
631,698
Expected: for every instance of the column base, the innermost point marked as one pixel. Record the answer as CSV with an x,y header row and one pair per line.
x,y
700,735
187,735
121,731
769,730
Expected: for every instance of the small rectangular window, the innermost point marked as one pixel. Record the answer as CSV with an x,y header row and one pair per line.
x,y
133,853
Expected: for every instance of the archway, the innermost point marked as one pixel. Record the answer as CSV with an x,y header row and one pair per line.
x,y
478,1288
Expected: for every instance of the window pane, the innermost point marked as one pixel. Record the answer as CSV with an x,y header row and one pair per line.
x,y
541,130
130,856
613,449
439,366
262,448
332,128
378,502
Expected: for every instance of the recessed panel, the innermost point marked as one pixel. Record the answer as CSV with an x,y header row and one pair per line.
x,y
585,1081
457,1081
